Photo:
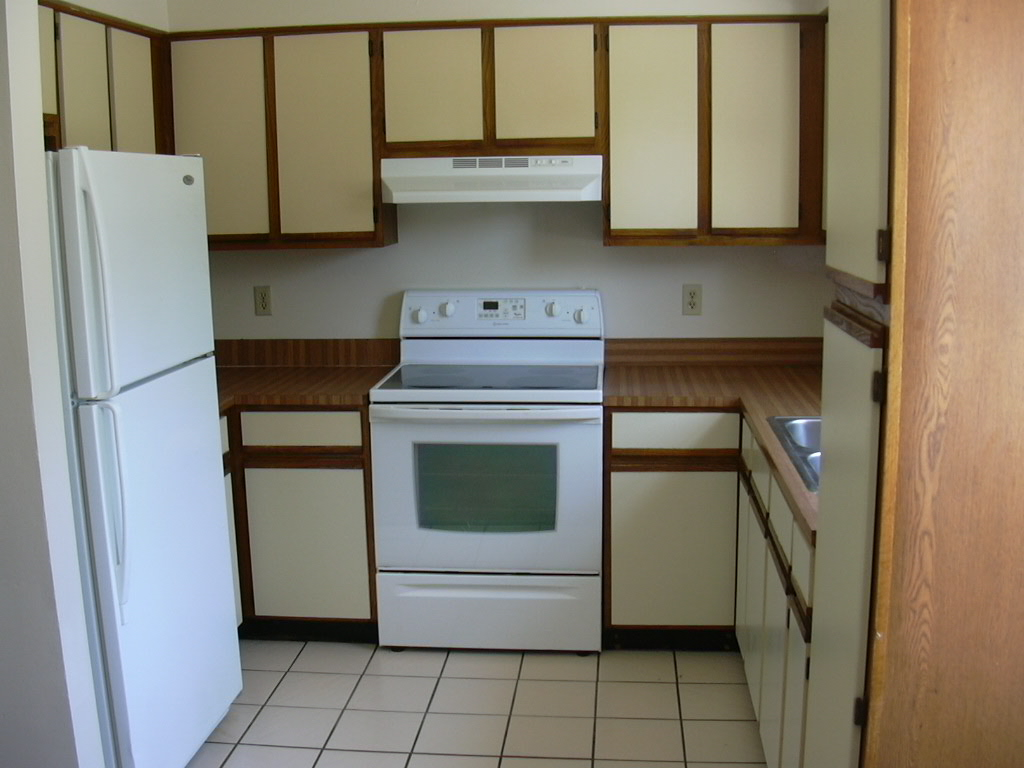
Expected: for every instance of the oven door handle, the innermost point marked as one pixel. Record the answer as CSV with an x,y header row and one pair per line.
x,y
586,414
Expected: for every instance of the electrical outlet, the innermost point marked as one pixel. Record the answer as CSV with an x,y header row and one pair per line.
x,y
261,299
692,299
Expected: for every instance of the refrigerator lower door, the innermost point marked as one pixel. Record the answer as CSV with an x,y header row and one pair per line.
x,y
155,504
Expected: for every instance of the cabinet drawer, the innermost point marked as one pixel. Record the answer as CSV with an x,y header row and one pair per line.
x,y
301,428
802,561
757,463
692,431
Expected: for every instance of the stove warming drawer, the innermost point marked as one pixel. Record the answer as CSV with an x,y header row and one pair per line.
x,y
516,612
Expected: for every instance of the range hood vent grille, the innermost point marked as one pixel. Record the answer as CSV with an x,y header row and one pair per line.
x,y
491,179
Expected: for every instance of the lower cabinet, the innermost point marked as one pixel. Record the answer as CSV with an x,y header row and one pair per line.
x,y
673,543
307,540
301,515
772,557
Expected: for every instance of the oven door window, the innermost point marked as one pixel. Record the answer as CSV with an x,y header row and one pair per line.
x,y
486,488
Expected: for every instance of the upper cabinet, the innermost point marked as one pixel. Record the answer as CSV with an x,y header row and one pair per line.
x,y
433,85
219,113
716,133
97,84
711,130
491,90
324,133
544,81
284,124
755,126
858,125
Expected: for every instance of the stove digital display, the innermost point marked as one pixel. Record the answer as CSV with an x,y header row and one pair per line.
x,y
501,309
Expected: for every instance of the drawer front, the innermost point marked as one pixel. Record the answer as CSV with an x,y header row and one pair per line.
x,y
302,428
687,431
757,463
802,561
555,613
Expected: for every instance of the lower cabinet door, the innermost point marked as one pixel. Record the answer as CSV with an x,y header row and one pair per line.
x,y
793,715
750,624
307,537
673,548
773,672
229,497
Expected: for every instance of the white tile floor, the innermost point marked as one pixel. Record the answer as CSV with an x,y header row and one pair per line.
x,y
337,705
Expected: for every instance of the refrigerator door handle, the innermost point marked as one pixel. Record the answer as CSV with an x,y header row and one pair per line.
x,y
117,517
94,226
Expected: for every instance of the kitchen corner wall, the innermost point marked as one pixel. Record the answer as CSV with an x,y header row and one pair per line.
x,y
747,291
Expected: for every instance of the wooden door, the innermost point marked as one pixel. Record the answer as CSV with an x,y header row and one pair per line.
x,y
947,683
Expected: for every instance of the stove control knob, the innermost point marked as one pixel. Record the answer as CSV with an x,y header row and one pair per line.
x,y
581,316
553,309
447,309
419,315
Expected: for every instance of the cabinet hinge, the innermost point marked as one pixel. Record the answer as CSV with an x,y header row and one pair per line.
x,y
860,711
879,386
884,246
807,668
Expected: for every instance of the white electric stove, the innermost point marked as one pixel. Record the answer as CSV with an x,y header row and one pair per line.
x,y
487,459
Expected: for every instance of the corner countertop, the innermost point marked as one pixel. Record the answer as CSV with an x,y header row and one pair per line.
x,y
759,391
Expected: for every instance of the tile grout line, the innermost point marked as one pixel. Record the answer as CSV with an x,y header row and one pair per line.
x,y
262,706
344,707
511,706
679,706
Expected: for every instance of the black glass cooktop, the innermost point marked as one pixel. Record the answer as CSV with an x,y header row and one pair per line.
x,y
421,376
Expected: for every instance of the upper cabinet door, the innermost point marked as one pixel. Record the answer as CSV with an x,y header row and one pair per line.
x,y
433,85
131,92
219,113
653,129
48,60
85,98
544,81
755,125
858,128
324,134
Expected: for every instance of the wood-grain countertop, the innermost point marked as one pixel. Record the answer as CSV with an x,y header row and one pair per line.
x,y
758,391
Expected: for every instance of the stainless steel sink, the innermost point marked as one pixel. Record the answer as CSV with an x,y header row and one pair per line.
x,y
801,439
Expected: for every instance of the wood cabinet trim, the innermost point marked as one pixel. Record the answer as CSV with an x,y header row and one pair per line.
x,y
857,326
482,24
102,18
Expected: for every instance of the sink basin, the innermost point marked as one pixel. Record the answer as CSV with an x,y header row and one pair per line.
x,y
806,433
801,438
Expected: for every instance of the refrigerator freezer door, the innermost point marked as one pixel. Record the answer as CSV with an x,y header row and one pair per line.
x,y
155,498
137,264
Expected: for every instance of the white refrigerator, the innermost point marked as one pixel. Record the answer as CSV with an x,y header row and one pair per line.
x,y
129,234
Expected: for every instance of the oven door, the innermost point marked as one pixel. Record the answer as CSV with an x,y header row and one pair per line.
x,y
487,488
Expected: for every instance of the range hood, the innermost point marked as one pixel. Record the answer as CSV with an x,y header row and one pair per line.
x,y
512,179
